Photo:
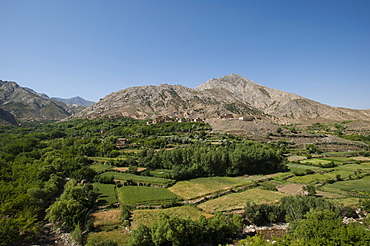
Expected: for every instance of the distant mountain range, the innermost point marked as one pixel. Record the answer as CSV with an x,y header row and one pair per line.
x,y
21,103
71,101
75,101
231,94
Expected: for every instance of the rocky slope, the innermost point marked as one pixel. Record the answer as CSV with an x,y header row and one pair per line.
x,y
25,104
7,118
230,94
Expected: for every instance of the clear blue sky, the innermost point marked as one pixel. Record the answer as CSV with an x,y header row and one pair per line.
x,y
318,49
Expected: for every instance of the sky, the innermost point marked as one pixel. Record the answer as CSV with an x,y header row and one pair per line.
x,y
318,49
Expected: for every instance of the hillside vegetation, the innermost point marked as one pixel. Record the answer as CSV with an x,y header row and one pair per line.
x,y
119,181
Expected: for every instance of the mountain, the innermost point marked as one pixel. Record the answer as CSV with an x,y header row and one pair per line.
x,y
75,101
232,94
26,104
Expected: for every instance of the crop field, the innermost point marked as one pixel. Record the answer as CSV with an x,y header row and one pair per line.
x,y
98,167
319,177
138,195
149,216
315,161
237,201
199,187
138,178
106,218
353,167
119,236
345,153
105,159
161,173
293,166
124,169
107,194
357,188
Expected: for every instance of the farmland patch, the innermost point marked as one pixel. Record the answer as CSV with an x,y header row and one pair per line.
x,y
149,216
199,187
148,196
237,201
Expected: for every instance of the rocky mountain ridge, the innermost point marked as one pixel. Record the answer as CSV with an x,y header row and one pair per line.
x,y
26,104
231,94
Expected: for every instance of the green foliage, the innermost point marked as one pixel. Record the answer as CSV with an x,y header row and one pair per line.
x,y
70,209
310,189
312,149
76,234
175,231
262,214
295,207
202,160
323,227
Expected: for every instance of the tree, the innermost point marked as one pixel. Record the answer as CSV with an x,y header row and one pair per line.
x,y
324,228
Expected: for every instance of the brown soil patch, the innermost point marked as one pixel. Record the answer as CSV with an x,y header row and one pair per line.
x,y
291,189
361,158
296,158
124,169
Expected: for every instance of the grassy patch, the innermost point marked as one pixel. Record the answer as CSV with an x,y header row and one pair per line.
x,y
293,166
98,167
107,218
353,167
354,188
138,178
320,177
199,187
105,159
107,194
149,216
315,161
161,173
142,195
118,236
347,153
238,200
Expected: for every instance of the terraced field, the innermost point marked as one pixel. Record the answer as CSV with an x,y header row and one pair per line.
x,y
143,195
200,187
149,216
237,201
107,194
138,178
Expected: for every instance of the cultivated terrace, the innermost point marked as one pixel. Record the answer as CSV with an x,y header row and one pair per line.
x,y
118,181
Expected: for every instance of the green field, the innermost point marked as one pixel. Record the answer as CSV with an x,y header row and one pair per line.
x,y
341,154
353,167
149,216
143,195
292,167
105,159
357,188
161,173
199,187
237,201
119,236
138,178
107,194
320,177
98,167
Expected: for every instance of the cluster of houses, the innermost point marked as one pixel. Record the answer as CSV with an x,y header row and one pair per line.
x,y
162,119
243,118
